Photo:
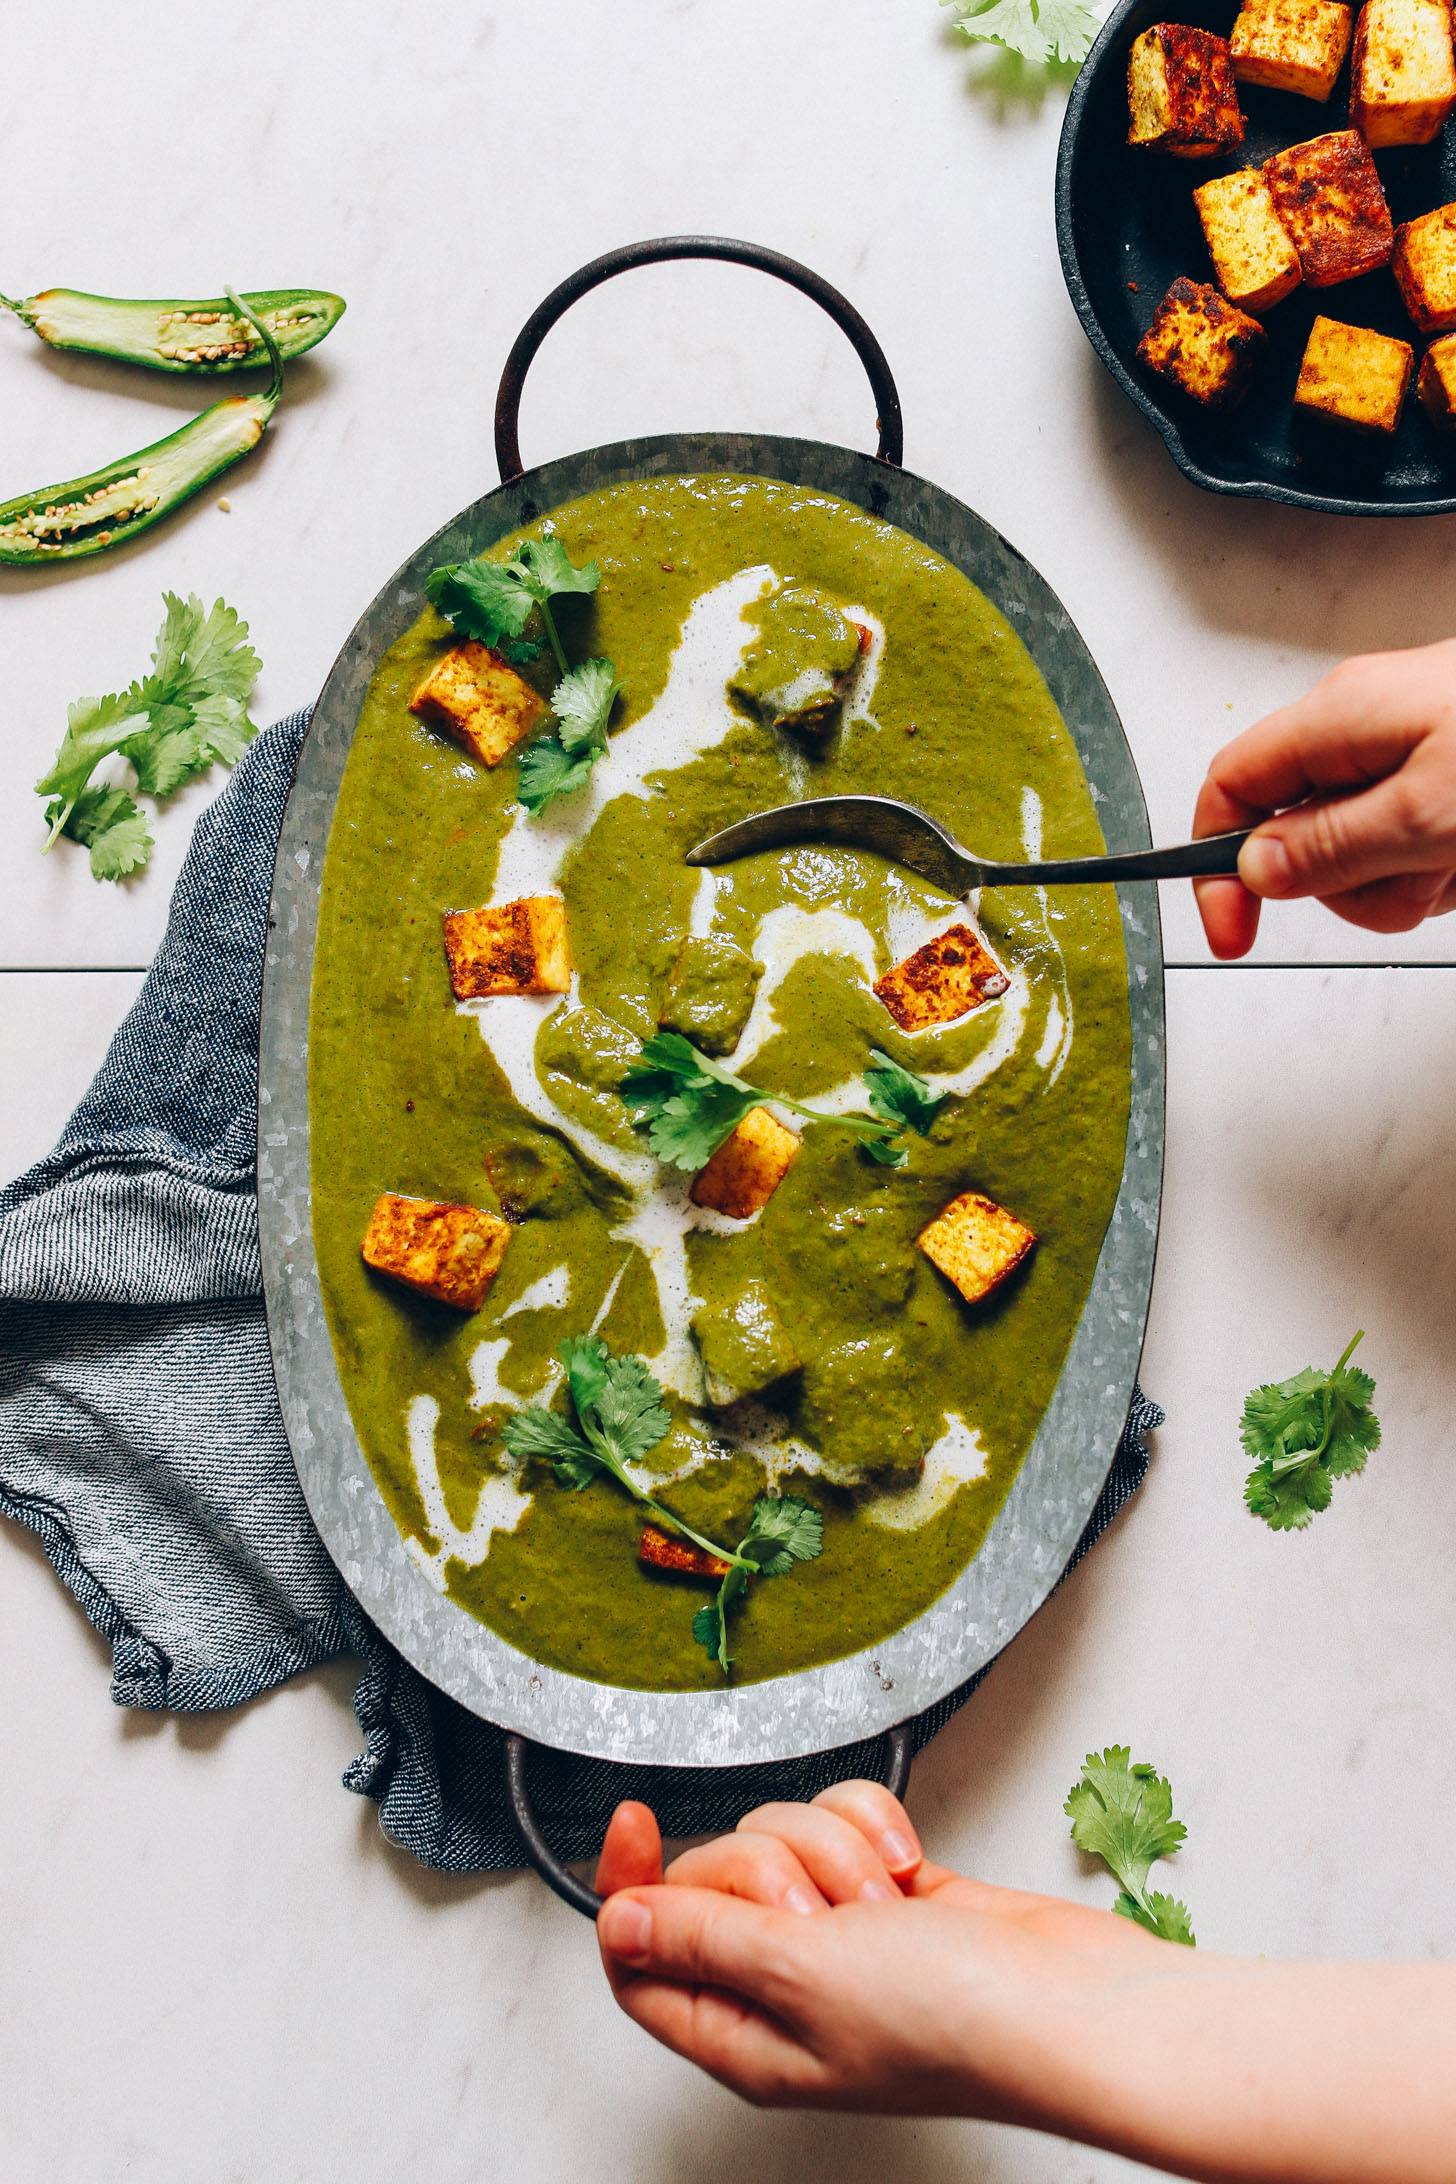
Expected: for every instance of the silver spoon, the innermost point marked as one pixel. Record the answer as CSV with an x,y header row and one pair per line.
x,y
911,837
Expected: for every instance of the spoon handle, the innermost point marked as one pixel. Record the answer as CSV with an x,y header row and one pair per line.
x,y
1216,854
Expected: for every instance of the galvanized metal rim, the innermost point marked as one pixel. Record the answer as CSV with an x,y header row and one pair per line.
x,y
1047,1509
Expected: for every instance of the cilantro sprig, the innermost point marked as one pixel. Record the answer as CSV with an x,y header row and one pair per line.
x,y
784,1531
491,602
189,713
1305,1433
1122,1812
688,1104
618,1417
1039,30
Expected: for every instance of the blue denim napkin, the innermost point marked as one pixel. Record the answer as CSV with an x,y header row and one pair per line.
x,y
140,1435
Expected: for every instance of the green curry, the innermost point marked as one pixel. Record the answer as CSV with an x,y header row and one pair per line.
x,y
900,1411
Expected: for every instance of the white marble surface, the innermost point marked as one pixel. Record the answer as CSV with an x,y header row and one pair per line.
x,y
213,1967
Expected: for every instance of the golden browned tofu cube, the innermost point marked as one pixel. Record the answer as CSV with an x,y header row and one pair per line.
x,y
1354,375
451,1253
1255,262
1180,93
481,700
519,947
747,1168
1291,45
1328,195
949,976
1403,78
1436,384
1424,264
661,1550
1203,343
976,1244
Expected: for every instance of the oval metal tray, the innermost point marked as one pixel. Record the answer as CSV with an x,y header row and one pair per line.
x,y
1126,228
1047,1509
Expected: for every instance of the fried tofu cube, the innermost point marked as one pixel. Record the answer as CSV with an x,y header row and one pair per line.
x,y
747,1168
660,1550
481,700
1255,262
1181,96
1403,78
951,975
976,1244
1436,384
1354,375
1424,265
1328,195
1203,343
451,1253
519,947
1292,45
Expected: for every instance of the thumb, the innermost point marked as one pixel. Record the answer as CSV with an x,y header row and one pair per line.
x,y
696,1936
1330,846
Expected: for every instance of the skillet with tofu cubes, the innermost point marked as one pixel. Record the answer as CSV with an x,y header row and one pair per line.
x,y
846,1305
1274,311
1313,214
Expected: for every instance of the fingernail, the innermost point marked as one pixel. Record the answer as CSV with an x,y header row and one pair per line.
x,y
898,1851
1264,865
802,1900
626,1929
878,1892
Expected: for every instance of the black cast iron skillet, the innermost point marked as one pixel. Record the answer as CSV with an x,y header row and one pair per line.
x,y
1127,227
876,1693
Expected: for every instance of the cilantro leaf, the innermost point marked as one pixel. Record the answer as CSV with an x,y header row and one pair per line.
x,y
537,1431
113,828
491,601
1290,1499
188,712
485,601
585,1359
618,1403
1039,30
200,653
1306,1432
163,761
900,1096
223,728
549,570
784,1530
1160,1914
582,701
547,769
687,1102
554,765
95,727
1122,1812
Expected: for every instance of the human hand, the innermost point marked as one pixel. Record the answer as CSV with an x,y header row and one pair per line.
x,y
816,1958
1362,773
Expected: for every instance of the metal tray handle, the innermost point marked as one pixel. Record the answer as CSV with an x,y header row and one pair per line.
x,y
581,1897
544,317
